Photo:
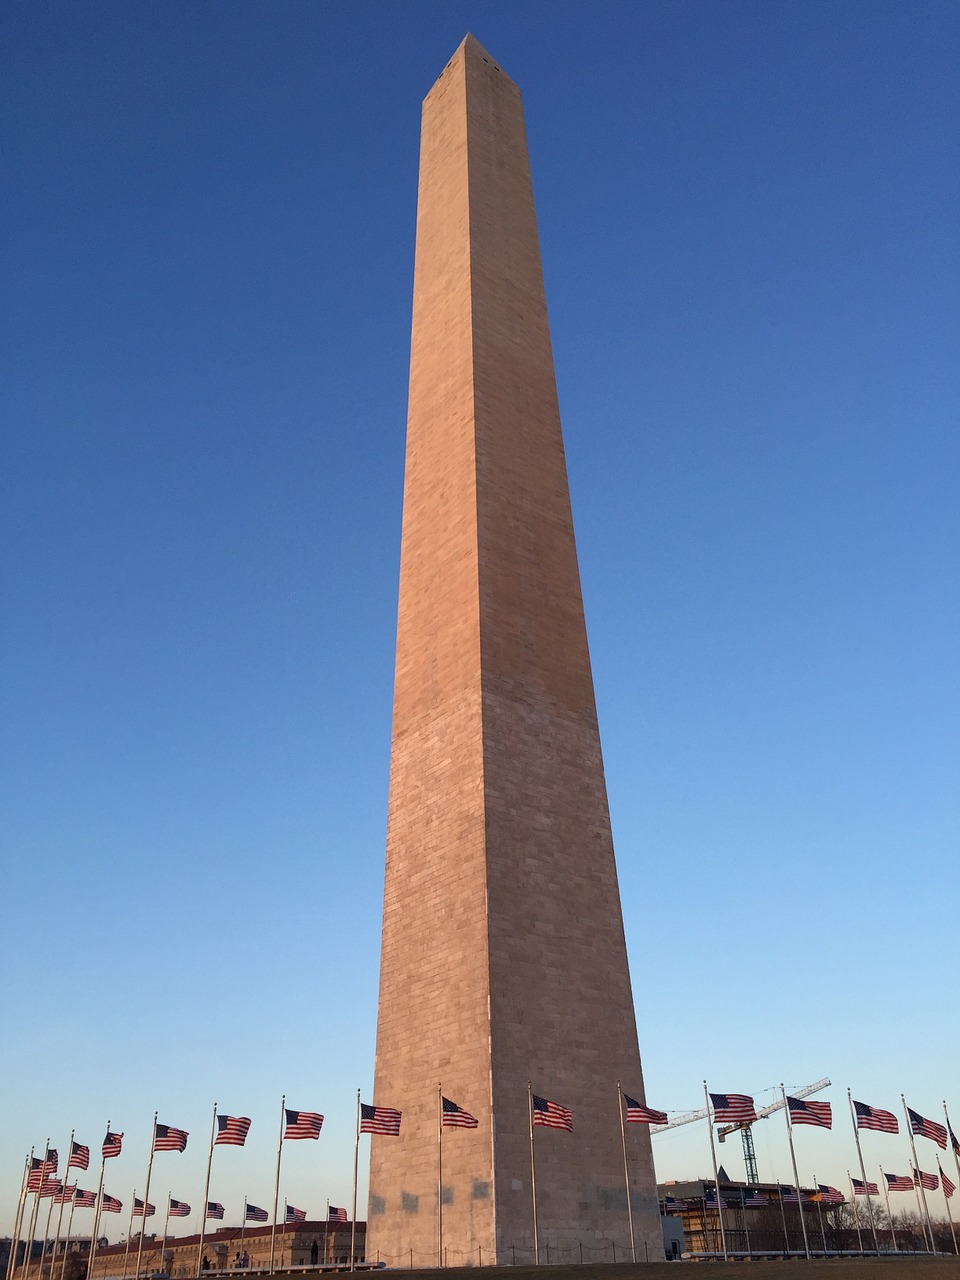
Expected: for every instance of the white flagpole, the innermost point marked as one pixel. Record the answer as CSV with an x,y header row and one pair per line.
x,y
626,1172
34,1214
283,1242
856,1211
863,1172
886,1197
97,1212
206,1191
716,1176
796,1176
783,1218
819,1195
166,1223
916,1171
46,1233
276,1185
126,1252
18,1222
743,1215
243,1228
326,1229
946,1202
353,1219
440,1174
146,1194
533,1178
66,1243
956,1157
66,1175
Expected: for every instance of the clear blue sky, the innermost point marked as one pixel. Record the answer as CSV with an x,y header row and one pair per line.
x,y
748,223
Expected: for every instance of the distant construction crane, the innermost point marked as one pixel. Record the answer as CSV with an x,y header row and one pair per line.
x,y
746,1136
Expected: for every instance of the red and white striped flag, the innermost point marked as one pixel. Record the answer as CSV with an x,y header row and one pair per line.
x,y
928,1181
169,1139
455,1117
179,1208
803,1112
79,1157
732,1108
112,1145
637,1113
231,1131
110,1204
336,1215
65,1194
379,1119
948,1187
551,1114
84,1199
303,1124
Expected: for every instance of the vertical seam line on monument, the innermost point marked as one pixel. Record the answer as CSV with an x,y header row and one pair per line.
x,y
483,739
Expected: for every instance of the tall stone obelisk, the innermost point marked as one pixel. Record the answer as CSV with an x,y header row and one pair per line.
x,y
503,951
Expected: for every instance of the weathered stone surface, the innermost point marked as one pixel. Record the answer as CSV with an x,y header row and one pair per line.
x,y
503,952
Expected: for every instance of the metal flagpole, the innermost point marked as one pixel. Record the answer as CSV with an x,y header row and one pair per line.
x,y
743,1215
276,1185
856,1212
34,1213
353,1216
66,1174
283,1242
956,1155
863,1173
66,1243
326,1231
716,1177
166,1224
819,1199
146,1194
796,1176
946,1202
18,1221
783,1217
243,1228
126,1252
533,1178
46,1233
626,1173
916,1170
886,1196
56,1238
206,1191
97,1212
440,1174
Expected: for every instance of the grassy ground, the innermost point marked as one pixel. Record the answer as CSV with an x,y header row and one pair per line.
x,y
920,1268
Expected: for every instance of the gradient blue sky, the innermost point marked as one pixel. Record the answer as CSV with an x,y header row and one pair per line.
x,y
748,224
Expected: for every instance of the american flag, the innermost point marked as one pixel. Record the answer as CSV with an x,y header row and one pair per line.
x,y
49,1188
232,1131
110,1204
65,1194
829,1195
169,1139
639,1114
732,1108
865,1188
84,1199
788,1195
179,1208
551,1114
897,1182
948,1187
379,1119
302,1124
336,1215
455,1117
928,1181
79,1157
254,1214
112,1144
50,1160
673,1204
924,1128
817,1113
214,1210
141,1210
710,1200
295,1215
873,1118
953,1141
755,1200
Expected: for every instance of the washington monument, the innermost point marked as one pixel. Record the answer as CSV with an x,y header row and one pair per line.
x,y
503,956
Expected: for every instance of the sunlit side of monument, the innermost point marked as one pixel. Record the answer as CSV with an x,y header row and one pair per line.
x,y
503,951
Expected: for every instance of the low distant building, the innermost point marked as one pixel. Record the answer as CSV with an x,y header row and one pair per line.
x,y
758,1217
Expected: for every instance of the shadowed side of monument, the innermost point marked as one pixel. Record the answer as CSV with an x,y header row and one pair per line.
x,y
503,950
